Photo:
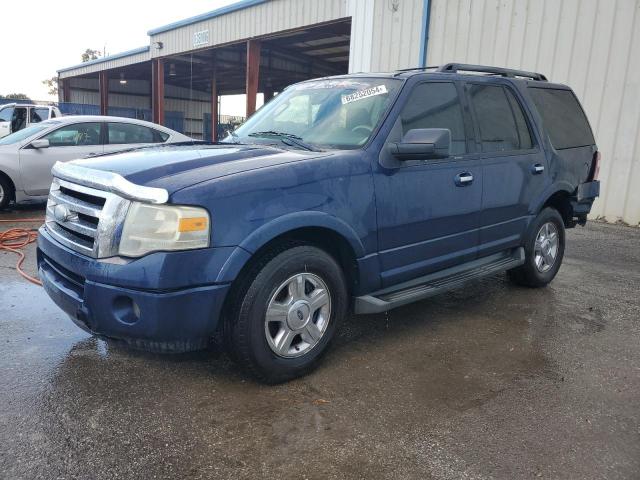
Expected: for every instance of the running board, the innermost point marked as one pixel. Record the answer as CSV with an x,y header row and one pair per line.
x,y
438,282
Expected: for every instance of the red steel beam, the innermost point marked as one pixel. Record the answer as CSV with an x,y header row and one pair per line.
x,y
157,90
103,86
214,109
253,72
66,90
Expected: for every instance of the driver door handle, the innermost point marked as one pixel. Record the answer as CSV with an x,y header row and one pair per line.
x,y
463,179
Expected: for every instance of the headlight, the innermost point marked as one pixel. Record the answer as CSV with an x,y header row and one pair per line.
x,y
149,228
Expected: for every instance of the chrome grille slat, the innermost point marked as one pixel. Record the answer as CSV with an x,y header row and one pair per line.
x,y
74,204
92,229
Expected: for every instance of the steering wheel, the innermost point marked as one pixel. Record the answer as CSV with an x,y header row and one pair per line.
x,y
367,129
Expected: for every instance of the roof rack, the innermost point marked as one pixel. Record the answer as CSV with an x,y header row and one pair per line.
x,y
504,72
463,67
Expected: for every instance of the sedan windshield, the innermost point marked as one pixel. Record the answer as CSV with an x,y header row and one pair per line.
x,y
334,113
22,134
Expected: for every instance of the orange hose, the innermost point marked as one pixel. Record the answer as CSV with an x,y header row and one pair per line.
x,y
15,239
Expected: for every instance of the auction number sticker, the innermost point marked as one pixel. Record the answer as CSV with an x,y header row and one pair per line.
x,y
366,93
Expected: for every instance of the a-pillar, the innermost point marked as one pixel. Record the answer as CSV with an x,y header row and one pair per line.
x,y
214,108
103,87
157,90
253,72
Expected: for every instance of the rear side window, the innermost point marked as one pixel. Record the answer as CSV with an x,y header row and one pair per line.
x,y
500,119
563,117
436,105
130,133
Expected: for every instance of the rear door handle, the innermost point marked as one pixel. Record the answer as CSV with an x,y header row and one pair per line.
x,y
537,169
463,179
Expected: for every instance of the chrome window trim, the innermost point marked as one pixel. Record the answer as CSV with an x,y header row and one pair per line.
x,y
108,181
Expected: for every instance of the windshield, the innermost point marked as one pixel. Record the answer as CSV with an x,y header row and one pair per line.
x,y
334,113
22,134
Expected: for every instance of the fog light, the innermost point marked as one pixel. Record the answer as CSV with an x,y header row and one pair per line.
x,y
126,310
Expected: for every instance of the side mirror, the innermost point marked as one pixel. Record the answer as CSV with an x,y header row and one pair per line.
x,y
41,143
423,144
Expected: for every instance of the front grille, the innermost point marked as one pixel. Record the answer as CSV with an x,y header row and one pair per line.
x,y
85,219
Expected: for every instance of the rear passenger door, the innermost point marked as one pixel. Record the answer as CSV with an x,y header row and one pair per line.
x,y
513,164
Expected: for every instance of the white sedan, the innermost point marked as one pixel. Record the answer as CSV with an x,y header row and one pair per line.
x,y
26,156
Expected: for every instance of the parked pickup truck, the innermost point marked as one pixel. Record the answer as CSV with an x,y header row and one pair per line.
x,y
363,192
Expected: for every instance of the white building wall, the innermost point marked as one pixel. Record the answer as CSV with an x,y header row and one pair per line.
x,y
385,34
591,45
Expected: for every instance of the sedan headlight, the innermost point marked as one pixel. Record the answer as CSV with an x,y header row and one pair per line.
x,y
149,228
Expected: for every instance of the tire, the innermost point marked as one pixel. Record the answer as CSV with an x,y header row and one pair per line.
x,y
6,192
287,283
546,233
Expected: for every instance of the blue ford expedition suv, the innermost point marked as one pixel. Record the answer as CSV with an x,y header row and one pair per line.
x,y
361,192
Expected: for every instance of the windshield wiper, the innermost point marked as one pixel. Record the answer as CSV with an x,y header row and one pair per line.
x,y
286,138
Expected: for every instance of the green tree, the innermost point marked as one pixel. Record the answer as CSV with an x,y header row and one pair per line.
x,y
52,85
91,54
17,96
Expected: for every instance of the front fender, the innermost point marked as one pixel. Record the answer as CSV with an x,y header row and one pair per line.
x,y
279,226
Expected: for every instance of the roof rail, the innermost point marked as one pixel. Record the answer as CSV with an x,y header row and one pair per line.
x,y
504,72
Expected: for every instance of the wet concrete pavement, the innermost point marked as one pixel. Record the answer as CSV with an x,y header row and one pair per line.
x,y
492,381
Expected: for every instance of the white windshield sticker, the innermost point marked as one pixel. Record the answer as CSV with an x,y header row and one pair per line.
x,y
366,93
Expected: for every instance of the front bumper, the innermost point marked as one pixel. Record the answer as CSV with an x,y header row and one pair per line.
x,y
179,319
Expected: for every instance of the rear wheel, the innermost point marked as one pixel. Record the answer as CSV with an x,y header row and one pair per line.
x,y
6,192
544,250
286,312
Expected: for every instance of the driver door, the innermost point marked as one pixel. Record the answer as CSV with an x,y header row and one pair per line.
x,y
70,142
428,210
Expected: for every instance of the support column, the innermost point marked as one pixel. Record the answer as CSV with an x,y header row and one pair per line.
x,y
103,87
253,71
157,90
214,108
268,94
65,89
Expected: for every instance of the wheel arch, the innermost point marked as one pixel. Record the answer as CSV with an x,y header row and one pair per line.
x,y
311,228
6,177
558,196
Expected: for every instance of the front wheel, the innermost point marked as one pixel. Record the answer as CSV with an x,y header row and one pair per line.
x,y
286,312
544,250
6,193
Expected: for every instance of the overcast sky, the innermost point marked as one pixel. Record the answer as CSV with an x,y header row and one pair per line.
x,y
40,36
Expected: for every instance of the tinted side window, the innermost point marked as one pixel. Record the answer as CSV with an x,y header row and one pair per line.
x,y
562,117
125,133
436,105
39,115
6,114
79,134
500,119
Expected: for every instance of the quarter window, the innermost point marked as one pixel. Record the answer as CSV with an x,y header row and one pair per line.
x,y
500,119
436,105
78,134
129,133
563,117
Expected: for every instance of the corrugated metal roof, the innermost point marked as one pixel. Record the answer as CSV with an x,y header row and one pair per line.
x,y
206,16
110,58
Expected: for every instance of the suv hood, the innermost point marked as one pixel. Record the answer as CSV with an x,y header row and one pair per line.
x,y
174,168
